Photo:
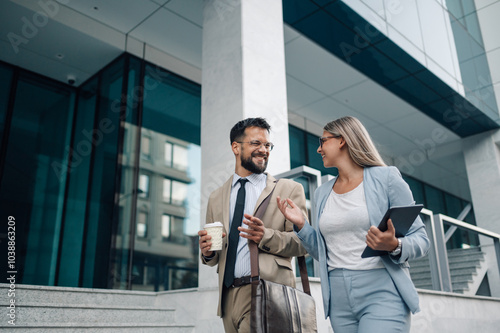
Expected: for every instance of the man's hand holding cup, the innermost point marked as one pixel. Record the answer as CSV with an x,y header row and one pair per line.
x,y
211,238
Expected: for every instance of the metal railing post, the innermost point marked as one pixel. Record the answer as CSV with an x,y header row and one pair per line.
x,y
433,256
442,254
496,243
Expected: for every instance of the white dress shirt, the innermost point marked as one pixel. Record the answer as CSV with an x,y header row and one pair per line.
x,y
253,188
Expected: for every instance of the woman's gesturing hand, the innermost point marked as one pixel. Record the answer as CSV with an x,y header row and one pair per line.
x,y
291,212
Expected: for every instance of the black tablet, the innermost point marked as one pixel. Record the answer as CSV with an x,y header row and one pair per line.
x,y
402,217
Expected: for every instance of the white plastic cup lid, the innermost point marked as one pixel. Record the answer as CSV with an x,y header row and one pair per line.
x,y
212,225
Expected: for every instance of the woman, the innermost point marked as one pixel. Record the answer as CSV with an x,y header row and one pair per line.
x,y
372,294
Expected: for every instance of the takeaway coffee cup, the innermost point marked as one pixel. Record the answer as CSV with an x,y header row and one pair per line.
x,y
215,230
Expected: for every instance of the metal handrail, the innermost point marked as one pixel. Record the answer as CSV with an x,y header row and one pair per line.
x,y
440,218
438,253
460,217
469,227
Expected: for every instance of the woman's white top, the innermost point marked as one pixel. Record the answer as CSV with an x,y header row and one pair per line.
x,y
344,224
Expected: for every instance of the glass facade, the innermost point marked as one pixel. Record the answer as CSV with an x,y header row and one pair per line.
x,y
100,178
165,249
6,74
303,151
345,33
472,59
32,189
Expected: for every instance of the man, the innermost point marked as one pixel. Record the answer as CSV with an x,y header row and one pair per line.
x,y
273,234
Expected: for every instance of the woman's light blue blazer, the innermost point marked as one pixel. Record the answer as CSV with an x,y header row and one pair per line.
x,y
384,187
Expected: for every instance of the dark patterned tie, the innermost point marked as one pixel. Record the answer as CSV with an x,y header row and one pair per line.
x,y
234,234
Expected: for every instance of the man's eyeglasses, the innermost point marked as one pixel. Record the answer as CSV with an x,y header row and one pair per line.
x,y
256,144
324,138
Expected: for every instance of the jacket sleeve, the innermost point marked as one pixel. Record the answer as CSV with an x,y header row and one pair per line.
x,y
309,238
285,243
415,244
210,219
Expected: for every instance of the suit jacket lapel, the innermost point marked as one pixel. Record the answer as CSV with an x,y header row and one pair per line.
x,y
270,183
226,193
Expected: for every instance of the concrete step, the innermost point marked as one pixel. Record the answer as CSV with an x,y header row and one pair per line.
x,y
460,252
463,271
463,264
419,269
458,283
70,296
427,286
420,275
421,262
461,278
60,309
102,328
475,257
426,272
43,313
460,287
472,258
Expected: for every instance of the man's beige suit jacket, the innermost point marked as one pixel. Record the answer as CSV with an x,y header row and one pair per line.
x,y
279,243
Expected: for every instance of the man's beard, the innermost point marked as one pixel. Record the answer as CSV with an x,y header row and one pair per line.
x,y
251,166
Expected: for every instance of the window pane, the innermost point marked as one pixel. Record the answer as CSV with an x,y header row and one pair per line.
x,y
173,107
168,153
146,147
314,159
180,157
171,117
165,226
35,174
166,190
74,227
120,262
417,190
297,147
143,186
142,224
179,192
5,83
473,63
102,211
434,199
177,230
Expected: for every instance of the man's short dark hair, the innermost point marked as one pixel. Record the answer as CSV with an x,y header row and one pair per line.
x,y
238,130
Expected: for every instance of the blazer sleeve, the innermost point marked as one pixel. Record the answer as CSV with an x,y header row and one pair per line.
x,y
309,238
415,244
210,219
285,243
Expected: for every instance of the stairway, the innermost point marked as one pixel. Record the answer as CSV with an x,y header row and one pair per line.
x,y
467,270
44,309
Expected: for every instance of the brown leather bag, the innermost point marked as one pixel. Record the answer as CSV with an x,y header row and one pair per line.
x,y
276,307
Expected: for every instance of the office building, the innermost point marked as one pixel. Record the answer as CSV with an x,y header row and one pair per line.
x,y
115,119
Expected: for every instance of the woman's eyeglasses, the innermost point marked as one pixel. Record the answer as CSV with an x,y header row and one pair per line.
x,y
324,138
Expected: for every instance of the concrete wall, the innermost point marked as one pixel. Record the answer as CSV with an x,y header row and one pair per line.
x,y
447,312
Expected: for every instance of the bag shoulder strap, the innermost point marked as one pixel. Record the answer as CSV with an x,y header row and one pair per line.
x,y
254,252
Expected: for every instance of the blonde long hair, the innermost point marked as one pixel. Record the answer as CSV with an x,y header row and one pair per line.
x,y
359,144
